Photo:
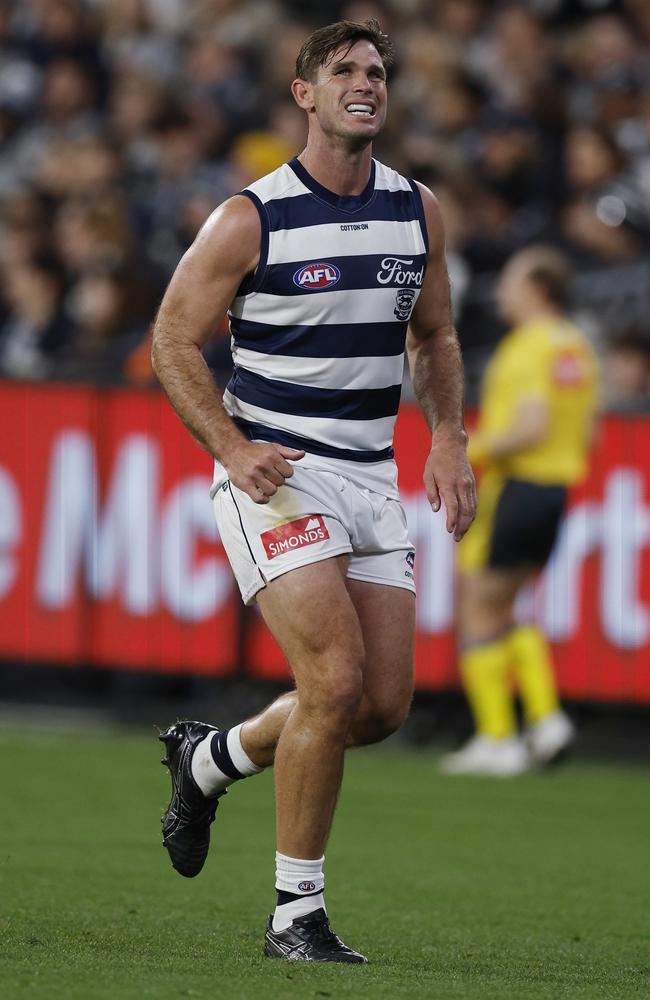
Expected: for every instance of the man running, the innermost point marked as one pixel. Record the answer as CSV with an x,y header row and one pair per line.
x,y
322,266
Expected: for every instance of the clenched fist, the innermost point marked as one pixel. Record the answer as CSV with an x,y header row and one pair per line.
x,y
260,468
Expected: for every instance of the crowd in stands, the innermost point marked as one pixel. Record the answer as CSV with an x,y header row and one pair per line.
x,y
124,123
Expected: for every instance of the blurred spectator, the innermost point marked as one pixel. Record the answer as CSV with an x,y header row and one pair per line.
x,y
67,112
639,13
35,329
106,308
124,123
462,20
48,30
246,24
452,198
287,122
136,102
131,41
24,232
607,215
457,112
603,52
217,73
84,166
281,60
257,153
519,59
627,373
92,233
182,175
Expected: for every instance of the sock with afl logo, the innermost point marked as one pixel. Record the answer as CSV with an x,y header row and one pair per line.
x,y
299,884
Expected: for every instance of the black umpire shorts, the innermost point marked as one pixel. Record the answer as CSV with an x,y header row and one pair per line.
x,y
525,525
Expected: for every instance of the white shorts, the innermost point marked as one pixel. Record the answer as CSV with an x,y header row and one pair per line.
x,y
315,515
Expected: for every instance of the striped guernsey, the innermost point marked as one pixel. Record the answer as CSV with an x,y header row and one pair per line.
x,y
318,332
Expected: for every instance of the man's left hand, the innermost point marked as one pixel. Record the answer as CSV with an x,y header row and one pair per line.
x,y
448,478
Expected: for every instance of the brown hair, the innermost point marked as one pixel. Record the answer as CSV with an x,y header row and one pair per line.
x,y
551,271
324,42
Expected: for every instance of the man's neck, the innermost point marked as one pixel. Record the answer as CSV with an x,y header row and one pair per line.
x,y
336,168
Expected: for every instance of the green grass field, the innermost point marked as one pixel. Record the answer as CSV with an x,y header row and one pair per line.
x,y
455,888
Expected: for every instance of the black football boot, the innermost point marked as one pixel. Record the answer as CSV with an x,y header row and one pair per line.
x,y
186,823
309,939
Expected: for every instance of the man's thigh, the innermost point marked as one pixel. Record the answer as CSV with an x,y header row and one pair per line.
x,y
314,621
302,524
386,617
382,553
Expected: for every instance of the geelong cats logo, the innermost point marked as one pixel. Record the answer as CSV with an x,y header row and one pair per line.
x,y
404,302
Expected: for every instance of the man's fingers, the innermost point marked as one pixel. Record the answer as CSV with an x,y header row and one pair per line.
x,y
273,475
451,506
265,468
284,469
454,486
461,509
259,496
433,495
281,465
293,453
466,511
262,489
465,519
467,502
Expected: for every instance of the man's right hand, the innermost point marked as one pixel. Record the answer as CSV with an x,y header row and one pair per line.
x,y
259,469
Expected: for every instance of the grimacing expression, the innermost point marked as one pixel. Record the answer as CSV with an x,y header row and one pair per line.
x,y
349,94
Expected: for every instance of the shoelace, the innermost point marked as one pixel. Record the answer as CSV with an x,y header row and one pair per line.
x,y
324,933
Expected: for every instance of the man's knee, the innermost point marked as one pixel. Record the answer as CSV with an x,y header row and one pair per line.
x,y
376,720
334,700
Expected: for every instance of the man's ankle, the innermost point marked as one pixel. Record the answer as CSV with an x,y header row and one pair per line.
x,y
219,760
299,883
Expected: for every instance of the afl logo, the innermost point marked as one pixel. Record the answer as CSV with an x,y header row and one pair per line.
x,y
306,886
315,277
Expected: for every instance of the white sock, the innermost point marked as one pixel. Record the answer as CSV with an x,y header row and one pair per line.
x,y
303,879
206,772
238,755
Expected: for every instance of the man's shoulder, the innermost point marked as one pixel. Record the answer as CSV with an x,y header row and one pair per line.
x,y
388,179
280,183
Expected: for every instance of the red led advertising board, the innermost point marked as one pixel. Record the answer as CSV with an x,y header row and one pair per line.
x,y
109,553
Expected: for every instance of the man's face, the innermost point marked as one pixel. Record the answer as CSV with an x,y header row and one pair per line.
x,y
349,94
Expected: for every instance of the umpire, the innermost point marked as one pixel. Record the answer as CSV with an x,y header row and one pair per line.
x,y
532,444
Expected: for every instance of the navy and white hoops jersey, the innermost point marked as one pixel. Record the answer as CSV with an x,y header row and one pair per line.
x,y
318,332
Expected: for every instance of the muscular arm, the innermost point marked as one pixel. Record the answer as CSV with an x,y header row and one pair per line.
x,y
437,376
199,293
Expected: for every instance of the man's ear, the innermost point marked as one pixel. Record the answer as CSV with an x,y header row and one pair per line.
x,y
303,94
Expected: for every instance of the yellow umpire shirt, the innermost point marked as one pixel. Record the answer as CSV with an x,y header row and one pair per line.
x,y
546,359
